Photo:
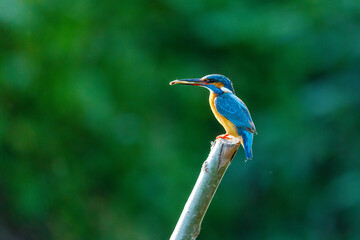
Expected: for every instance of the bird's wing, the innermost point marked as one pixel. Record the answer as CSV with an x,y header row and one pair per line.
x,y
235,111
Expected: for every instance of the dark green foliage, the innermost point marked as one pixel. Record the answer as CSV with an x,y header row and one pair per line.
x,y
94,143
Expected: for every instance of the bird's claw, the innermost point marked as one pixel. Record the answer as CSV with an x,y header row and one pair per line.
x,y
224,136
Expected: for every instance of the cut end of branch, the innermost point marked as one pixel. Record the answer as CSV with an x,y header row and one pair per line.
x,y
229,148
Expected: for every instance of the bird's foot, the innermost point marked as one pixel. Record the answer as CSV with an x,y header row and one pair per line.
x,y
223,136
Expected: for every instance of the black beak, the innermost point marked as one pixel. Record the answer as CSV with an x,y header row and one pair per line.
x,y
193,81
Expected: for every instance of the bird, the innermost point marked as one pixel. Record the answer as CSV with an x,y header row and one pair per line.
x,y
229,110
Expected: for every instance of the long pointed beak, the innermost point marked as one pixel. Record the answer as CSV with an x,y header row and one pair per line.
x,y
193,81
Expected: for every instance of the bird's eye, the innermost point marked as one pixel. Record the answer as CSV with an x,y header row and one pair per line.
x,y
208,80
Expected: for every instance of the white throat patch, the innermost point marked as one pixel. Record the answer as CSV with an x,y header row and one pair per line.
x,y
226,90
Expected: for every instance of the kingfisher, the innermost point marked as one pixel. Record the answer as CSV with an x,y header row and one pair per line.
x,y
228,109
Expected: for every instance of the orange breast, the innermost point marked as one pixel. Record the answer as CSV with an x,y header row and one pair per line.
x,y
229,126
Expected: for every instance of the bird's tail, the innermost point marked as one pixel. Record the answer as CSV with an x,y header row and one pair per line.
x,y
247,143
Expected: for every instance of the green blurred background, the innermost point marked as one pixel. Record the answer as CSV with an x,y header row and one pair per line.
x,y
95,144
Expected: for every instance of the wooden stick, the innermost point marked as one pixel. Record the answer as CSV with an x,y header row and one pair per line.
x,y
212,171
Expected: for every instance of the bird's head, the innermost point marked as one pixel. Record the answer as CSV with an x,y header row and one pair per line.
x,y
214,82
